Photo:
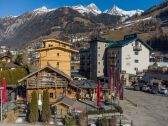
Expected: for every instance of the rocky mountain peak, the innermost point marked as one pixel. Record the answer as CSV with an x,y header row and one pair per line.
x,y
94,9
115,10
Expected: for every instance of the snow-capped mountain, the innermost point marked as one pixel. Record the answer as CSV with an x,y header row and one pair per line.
x,y
91,8
120,12
94,9
42,10
81,9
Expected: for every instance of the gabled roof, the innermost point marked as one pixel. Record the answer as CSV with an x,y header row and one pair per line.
x,y
66,101
56,40
58,47
2,56
50,67
122,43
84,84
87,84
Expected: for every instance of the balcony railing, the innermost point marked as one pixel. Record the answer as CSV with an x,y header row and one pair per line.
x,y
137,48
44,84
112,56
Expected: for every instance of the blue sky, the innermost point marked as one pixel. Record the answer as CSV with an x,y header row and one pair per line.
x,y
17,7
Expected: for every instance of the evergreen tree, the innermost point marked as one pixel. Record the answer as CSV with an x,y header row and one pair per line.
x,y
8,53
70,121
19,59
103,122
46,111
33,115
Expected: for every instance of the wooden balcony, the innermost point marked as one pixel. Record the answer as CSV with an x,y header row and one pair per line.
x,y
46,84
52,84
112,56
46,80
137,48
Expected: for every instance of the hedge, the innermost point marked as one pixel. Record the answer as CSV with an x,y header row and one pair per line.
x,y
12,76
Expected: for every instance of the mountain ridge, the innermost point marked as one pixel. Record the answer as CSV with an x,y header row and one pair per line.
x,y
90,8
65,23
42,22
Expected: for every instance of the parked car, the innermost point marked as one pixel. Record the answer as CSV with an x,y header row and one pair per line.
x,y
154,91
141,85
136,87
163,90
149,88
145,88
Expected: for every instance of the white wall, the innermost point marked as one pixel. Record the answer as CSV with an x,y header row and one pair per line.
x,y
100,58
129,57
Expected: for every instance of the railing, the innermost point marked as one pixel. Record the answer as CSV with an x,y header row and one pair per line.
x,y
137,48
47,84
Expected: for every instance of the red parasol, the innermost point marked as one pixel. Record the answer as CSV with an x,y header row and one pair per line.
x,y
98,94
4,98
121,90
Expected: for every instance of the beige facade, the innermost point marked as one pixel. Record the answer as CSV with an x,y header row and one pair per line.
x,y
57,54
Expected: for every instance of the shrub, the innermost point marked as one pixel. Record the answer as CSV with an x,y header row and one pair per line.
x,y
34,115
70,121
46,111
12,76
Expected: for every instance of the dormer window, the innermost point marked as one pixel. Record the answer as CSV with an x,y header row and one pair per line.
x,y
137,46
50,45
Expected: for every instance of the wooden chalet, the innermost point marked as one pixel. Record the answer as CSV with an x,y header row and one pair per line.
x,y
6,59
87,89
56,81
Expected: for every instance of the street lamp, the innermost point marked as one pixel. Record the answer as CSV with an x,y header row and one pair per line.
x,y
120,119
55,114
1,88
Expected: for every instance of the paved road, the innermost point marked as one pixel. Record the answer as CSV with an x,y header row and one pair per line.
x,y
151,110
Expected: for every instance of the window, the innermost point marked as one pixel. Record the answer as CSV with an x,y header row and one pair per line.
x,y
72,67
98,55
57,54
118,61
99,47
136,69
50,45
136,53
136,61
98,62
57,64
51,95
99,71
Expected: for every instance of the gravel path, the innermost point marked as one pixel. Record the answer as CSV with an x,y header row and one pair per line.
x,y
151,110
